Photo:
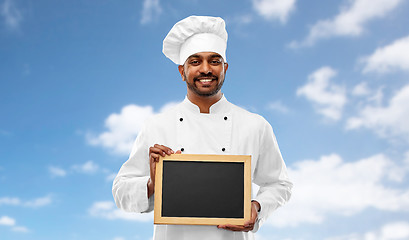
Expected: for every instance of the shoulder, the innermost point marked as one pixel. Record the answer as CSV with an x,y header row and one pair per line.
x,y
164,117
249,117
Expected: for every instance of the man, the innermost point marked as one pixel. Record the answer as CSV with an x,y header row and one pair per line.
x,y
204,123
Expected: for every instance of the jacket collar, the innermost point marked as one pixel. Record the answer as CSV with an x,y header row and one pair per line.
x,y
220,106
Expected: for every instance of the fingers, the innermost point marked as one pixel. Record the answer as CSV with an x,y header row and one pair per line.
x,y
159,150
248,225
254,213
237,228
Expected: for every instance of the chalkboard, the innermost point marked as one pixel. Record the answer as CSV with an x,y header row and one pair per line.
x,y
203,189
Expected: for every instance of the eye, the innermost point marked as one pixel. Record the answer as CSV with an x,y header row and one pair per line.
x,y
194,62
215,62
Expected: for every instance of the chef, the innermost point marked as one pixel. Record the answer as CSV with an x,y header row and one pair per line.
x,y
204,123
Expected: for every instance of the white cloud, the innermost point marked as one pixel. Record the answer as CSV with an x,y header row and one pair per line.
x,y
111,177
397,230
389,58
108,210
7,221
349,22
20,229
11,222
241,19
278,106
328,98
361,89
274,9
9,201
150,10
387,121
87,168
11,14
364,95
124,127
331,186
38,202
391,231
57,172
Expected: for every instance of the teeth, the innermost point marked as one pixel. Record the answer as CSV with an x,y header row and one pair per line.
x,y
205,80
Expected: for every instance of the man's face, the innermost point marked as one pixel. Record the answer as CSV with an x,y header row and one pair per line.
x,y
204,73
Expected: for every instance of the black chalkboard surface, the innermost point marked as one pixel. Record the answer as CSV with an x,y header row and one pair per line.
x,y
202,189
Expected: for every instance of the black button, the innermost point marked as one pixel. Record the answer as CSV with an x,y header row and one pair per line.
x,y
225,118
181,119
223,149
182,149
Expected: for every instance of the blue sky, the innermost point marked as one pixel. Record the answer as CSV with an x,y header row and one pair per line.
x,y
79,78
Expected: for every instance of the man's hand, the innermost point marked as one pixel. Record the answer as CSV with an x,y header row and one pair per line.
x,y
154,153
249,225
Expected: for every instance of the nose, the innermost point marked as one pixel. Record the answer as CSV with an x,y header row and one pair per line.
x,y
205,68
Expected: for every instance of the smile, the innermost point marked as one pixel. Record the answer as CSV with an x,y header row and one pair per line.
x,y
205,80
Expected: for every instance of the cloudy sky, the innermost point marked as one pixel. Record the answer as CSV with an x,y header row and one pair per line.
x,y
79,78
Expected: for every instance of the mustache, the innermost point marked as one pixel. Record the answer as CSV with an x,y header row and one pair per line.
x,y
202,75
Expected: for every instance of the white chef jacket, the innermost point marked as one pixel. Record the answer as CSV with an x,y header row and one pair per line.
x,y
227,129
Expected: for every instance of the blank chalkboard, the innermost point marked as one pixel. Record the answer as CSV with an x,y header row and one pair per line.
x,y
202,189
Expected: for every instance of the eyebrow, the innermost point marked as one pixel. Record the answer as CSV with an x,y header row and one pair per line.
x,y
193,56
211,56
215,55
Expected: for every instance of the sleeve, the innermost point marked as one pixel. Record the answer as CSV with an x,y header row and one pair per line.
x,y
271,175
130,185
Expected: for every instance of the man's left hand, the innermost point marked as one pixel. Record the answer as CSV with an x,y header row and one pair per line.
x,y
249,225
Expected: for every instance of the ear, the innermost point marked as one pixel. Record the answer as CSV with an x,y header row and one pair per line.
x,y
226,66
181,69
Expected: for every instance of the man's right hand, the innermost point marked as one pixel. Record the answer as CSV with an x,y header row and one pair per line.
x,y
154,153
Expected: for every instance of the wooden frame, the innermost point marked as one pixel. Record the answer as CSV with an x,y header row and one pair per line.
x,y
245,159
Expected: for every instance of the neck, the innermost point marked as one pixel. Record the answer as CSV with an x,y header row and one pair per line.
x,y
204,103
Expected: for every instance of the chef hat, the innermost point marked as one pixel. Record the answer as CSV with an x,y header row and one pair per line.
x,y
195,34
